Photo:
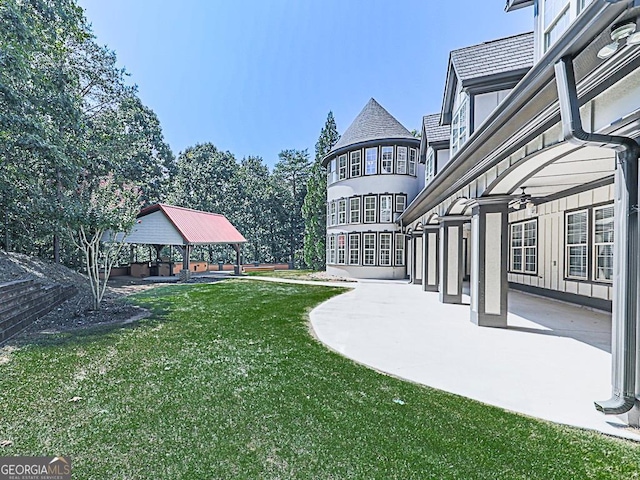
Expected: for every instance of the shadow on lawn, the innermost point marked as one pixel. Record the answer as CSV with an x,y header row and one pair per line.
x,y
154,307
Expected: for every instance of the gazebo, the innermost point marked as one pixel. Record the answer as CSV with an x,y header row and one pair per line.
x,y
163,225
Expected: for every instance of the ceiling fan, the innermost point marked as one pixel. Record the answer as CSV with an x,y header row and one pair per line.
x,y
524,200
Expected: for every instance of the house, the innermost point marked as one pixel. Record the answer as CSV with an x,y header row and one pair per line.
x,y
540,193
373,173
536,186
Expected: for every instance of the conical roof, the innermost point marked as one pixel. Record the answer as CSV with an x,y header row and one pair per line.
x,y
373,123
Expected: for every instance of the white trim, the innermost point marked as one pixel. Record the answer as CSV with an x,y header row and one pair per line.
x,y
353,163
399,250
354,249
342,167
523,248
386,214
386,150
402,158
341,251
353,200
365,209
584,245
413,160
371,250
594,273
367,161
384,254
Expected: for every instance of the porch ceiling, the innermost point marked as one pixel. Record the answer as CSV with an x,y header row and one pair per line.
x,y
554,170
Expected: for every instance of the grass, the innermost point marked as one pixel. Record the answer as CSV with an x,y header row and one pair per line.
x,y
226,382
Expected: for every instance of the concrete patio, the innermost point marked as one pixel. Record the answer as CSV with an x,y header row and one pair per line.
x,y
552,362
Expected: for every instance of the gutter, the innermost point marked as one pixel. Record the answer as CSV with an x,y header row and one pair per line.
x,y
595,18
626,255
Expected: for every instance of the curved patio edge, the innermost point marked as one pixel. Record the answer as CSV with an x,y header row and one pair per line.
x,y
551,363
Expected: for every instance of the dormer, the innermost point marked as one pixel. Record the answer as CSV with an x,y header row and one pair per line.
x,y
434,146
551,19
478,79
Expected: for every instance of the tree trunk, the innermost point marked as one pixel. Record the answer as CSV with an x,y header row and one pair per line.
x,y
56,235
7,239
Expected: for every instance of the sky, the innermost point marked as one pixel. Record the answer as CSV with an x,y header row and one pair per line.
x,y
256,77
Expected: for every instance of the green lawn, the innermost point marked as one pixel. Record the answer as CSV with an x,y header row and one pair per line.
x,y
225,382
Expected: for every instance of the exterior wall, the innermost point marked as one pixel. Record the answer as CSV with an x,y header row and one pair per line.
x,y
442,158
551,235
484,104
155,228
363,186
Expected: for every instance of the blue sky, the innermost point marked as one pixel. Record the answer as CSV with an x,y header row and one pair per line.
x,y
258,76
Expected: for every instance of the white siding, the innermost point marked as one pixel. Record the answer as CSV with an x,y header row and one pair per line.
x,y
551,249
155,228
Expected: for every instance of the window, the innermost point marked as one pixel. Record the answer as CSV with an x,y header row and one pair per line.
x,y
370,209
399,249
342,248
342,167
386,208
430,168
342,212
371,161
401,161
413,158
354,249
576,249
524,239
401,203
387,160
332,249
582,4
356,164
385,249
354,210
459,124
556,19
331,172
369,242
603,243
332,216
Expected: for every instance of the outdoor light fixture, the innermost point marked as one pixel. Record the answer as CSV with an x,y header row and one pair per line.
x,y
618,33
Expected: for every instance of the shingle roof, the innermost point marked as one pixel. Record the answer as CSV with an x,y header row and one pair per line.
x,y
433,130
372,123
196,226
491,58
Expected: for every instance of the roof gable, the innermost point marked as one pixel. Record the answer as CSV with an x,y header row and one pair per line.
x,y
506,58
372,123
194,226
433,130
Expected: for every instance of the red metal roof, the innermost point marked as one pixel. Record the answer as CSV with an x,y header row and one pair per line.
x,y
196,226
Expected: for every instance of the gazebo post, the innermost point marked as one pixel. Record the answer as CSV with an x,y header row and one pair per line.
x,y
236,247
185,274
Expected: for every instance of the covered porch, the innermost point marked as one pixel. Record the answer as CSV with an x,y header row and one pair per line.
x,y
550,361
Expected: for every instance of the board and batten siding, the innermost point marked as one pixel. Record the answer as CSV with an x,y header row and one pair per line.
x,y
551,244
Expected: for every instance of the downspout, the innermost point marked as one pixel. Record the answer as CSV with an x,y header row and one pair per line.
x,y
626,241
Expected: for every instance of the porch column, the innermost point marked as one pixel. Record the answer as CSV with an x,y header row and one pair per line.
x,y
489,261
416,241
430,258
411,248
451,262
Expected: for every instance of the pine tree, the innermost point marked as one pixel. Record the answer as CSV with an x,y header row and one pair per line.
x,y
314,209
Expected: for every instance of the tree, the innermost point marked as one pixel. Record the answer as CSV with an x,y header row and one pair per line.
x,y
314,208
292,170
104,212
